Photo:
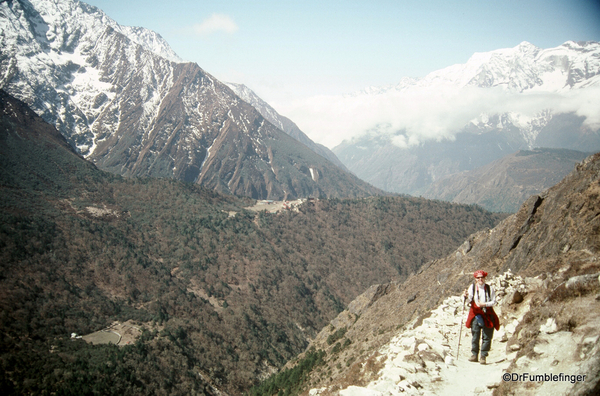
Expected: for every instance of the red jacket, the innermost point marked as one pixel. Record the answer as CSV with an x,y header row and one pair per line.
x,y
490,319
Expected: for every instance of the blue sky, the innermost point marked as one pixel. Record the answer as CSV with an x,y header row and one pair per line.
x,y
292,49
303,56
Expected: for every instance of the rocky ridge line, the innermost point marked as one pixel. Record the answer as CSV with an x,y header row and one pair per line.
x,y
134,112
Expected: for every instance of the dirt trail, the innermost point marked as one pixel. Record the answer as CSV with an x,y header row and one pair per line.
x,y
422,359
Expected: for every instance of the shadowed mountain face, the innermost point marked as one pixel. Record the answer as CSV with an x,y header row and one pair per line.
x,y
503,185
34,155
414,170
283,123
215,297
127,106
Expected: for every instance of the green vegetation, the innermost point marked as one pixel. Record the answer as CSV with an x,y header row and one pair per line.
x,y
290,381
339,333
170,249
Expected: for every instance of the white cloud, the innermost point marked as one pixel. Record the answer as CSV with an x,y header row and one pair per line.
x,y
427,113
216,23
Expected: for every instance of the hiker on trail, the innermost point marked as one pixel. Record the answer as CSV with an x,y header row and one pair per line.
x,y
482,319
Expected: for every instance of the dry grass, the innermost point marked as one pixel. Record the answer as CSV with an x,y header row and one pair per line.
x,y
361,374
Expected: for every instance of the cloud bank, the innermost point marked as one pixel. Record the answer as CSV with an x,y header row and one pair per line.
x,y
214,24
428,113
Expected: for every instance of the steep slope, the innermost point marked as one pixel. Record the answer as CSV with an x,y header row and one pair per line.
x,y
468,115
212,296
548,252
123,102
281,122
503,185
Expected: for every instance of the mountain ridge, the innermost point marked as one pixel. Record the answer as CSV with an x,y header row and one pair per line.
x,y
503,185
471,114
281,122
486,69
135,112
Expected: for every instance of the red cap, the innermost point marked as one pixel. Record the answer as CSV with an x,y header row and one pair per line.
x,y
480,273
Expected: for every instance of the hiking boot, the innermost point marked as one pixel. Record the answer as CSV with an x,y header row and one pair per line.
x,y
473,358
482,360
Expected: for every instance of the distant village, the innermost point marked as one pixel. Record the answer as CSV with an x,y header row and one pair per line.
x,y
272,206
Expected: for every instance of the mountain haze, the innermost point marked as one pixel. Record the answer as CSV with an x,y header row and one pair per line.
x,y
123,99
465,116
281,122
503,185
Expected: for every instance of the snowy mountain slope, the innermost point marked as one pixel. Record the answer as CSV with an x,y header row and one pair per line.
x,y
474,113
151,41
519,69
122,99
499,76
49,55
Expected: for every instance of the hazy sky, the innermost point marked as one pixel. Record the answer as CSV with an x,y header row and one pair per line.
x,y
301,56
284,49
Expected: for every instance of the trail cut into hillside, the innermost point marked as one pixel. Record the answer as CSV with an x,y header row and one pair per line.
x,y
402,338
427,359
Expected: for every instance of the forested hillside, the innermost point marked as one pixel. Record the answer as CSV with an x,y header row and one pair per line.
x,y
220,299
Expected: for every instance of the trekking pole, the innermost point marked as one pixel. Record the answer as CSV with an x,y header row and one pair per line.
x,y
462,316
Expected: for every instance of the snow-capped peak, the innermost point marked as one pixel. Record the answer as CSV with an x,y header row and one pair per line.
x,y
62,24
54,58
518,69
151,41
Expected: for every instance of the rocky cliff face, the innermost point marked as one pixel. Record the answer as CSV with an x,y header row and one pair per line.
x,y
121,98
402,338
